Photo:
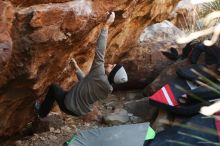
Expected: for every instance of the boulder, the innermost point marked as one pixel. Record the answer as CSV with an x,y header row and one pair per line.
x,y
145,61
166,75
120,116
170,73
141,108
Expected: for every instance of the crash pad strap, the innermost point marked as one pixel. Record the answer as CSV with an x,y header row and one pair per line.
x,y
150,134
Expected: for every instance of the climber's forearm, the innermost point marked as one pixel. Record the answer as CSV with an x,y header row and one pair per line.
x,y
79,73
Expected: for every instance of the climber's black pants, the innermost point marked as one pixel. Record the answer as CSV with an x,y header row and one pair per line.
x,y
55,93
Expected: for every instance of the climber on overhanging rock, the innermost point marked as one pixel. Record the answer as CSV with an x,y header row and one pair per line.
x,y
95,86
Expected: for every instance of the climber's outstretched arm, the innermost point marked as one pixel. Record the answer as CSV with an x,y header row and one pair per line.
x,y
101,43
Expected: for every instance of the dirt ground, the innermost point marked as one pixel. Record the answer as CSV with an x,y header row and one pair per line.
x,y
57,128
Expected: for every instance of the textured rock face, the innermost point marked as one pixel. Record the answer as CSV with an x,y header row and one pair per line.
x,y
6,18
24,3
45,37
